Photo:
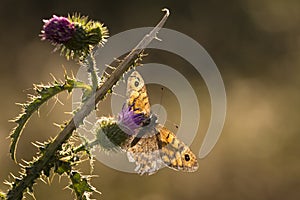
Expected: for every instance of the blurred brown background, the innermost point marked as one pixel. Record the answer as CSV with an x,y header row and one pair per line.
x,y
255,44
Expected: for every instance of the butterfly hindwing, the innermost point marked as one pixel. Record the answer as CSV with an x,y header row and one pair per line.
x,y
146,155
174,153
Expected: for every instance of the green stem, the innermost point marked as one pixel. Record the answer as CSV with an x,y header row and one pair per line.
x,y
91,68
85,147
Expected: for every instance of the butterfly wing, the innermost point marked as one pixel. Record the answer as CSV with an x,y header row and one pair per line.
x,y
174,153
158,148
146,155
137,94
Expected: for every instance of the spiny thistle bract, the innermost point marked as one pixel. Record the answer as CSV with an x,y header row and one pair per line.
x,y
74,36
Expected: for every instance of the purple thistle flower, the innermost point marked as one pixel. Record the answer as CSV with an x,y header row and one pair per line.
x,y
75,36
131,120
58,30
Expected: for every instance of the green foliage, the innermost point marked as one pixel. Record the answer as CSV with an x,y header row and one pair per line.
x,y
81,185
63,162
2,195
44,93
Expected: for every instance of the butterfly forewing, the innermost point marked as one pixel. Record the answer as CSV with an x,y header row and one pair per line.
x,y
137,94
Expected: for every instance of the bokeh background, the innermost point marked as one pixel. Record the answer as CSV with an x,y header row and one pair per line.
x,y
256,46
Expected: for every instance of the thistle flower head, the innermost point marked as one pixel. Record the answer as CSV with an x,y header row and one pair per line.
x,y
113,134
129,119
57,30
74,36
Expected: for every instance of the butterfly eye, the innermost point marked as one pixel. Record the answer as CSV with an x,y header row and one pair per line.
x,y
187,157
136,83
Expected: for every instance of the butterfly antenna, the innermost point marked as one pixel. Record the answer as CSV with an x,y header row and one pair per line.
x,y
173,124
160,101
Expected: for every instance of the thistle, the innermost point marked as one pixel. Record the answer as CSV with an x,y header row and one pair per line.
x,y
112,134
74,36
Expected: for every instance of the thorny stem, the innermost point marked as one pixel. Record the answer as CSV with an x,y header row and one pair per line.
x,y
91,65
16,193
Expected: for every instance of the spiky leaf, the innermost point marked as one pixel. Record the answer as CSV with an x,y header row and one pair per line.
x,y
44,93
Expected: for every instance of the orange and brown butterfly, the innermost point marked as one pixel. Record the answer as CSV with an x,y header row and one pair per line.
x,y
153,146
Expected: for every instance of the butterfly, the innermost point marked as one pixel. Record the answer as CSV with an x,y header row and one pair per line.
x,y
154,146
